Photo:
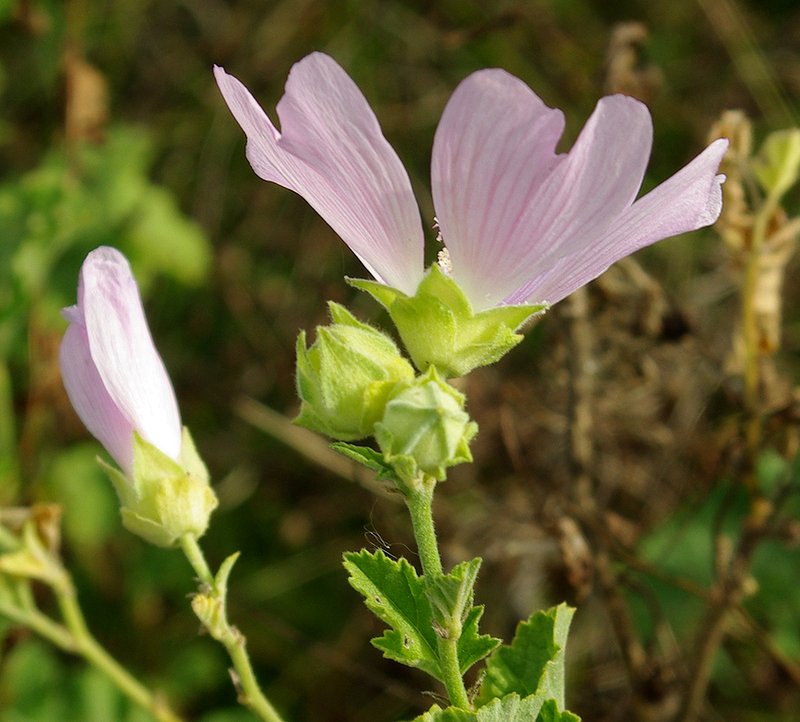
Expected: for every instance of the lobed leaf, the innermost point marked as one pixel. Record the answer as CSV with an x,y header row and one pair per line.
x,y
396,595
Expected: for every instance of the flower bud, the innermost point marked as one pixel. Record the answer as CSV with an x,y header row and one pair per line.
x,y
425,429
346,376
119,387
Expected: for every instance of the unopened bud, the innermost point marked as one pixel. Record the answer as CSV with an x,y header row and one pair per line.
x,y
345,378
425,429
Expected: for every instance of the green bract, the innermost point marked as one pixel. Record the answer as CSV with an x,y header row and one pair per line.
x,y
439,327
164,499
346,376
425,429
777,165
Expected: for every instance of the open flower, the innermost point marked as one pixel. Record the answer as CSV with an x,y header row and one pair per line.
x,y
521,223
112,372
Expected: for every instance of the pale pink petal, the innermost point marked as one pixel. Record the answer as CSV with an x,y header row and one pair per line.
x,y
90,399
122,350
521,206
689,200
493,148
331,151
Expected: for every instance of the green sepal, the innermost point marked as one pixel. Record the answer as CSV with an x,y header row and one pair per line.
x,y
533,664
396,595
439,327
777,165
164,499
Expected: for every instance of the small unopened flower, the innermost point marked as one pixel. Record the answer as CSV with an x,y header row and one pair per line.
x,y
520,222
119,387
344,379
112,372
425,429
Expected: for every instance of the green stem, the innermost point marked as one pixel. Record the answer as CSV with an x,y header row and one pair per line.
x,y
420,506
230,637
45,627
87,646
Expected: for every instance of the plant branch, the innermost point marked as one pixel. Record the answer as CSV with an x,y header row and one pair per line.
x,y
210,605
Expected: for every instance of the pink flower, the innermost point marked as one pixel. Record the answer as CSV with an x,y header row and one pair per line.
x,y
112,372
521,222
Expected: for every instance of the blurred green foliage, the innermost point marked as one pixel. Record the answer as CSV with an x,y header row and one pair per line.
x,y
231,268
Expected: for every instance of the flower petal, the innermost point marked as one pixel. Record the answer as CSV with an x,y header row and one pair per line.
x,y
690,199
331,151
122,350
494,147
523,205
90,399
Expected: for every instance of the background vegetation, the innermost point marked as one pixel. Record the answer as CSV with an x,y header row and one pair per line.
x,y
610,463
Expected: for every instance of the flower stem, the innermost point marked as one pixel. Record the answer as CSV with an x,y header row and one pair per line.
x,y
210,605
81,641
419,501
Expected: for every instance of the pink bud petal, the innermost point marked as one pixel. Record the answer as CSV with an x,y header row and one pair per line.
x,y
90,399
331,151
111,369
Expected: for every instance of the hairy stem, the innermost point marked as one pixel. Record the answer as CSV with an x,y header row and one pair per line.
x,y
420,505
213,598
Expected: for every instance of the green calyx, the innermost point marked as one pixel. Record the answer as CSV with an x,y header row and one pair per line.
x,y
345,378
424,429
439,327
164,499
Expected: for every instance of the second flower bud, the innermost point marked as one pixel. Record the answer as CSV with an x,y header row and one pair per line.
x,y
346,377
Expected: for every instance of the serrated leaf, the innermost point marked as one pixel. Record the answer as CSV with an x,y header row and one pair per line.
x,y
551,713
451,714
533,664
510,709
396,595
451,594
472,646
365,456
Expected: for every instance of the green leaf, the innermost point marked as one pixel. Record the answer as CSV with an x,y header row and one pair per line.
x,y
451,714
551,713
451,594
396,595
777,164
366,456
510,709
533,664
472,646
